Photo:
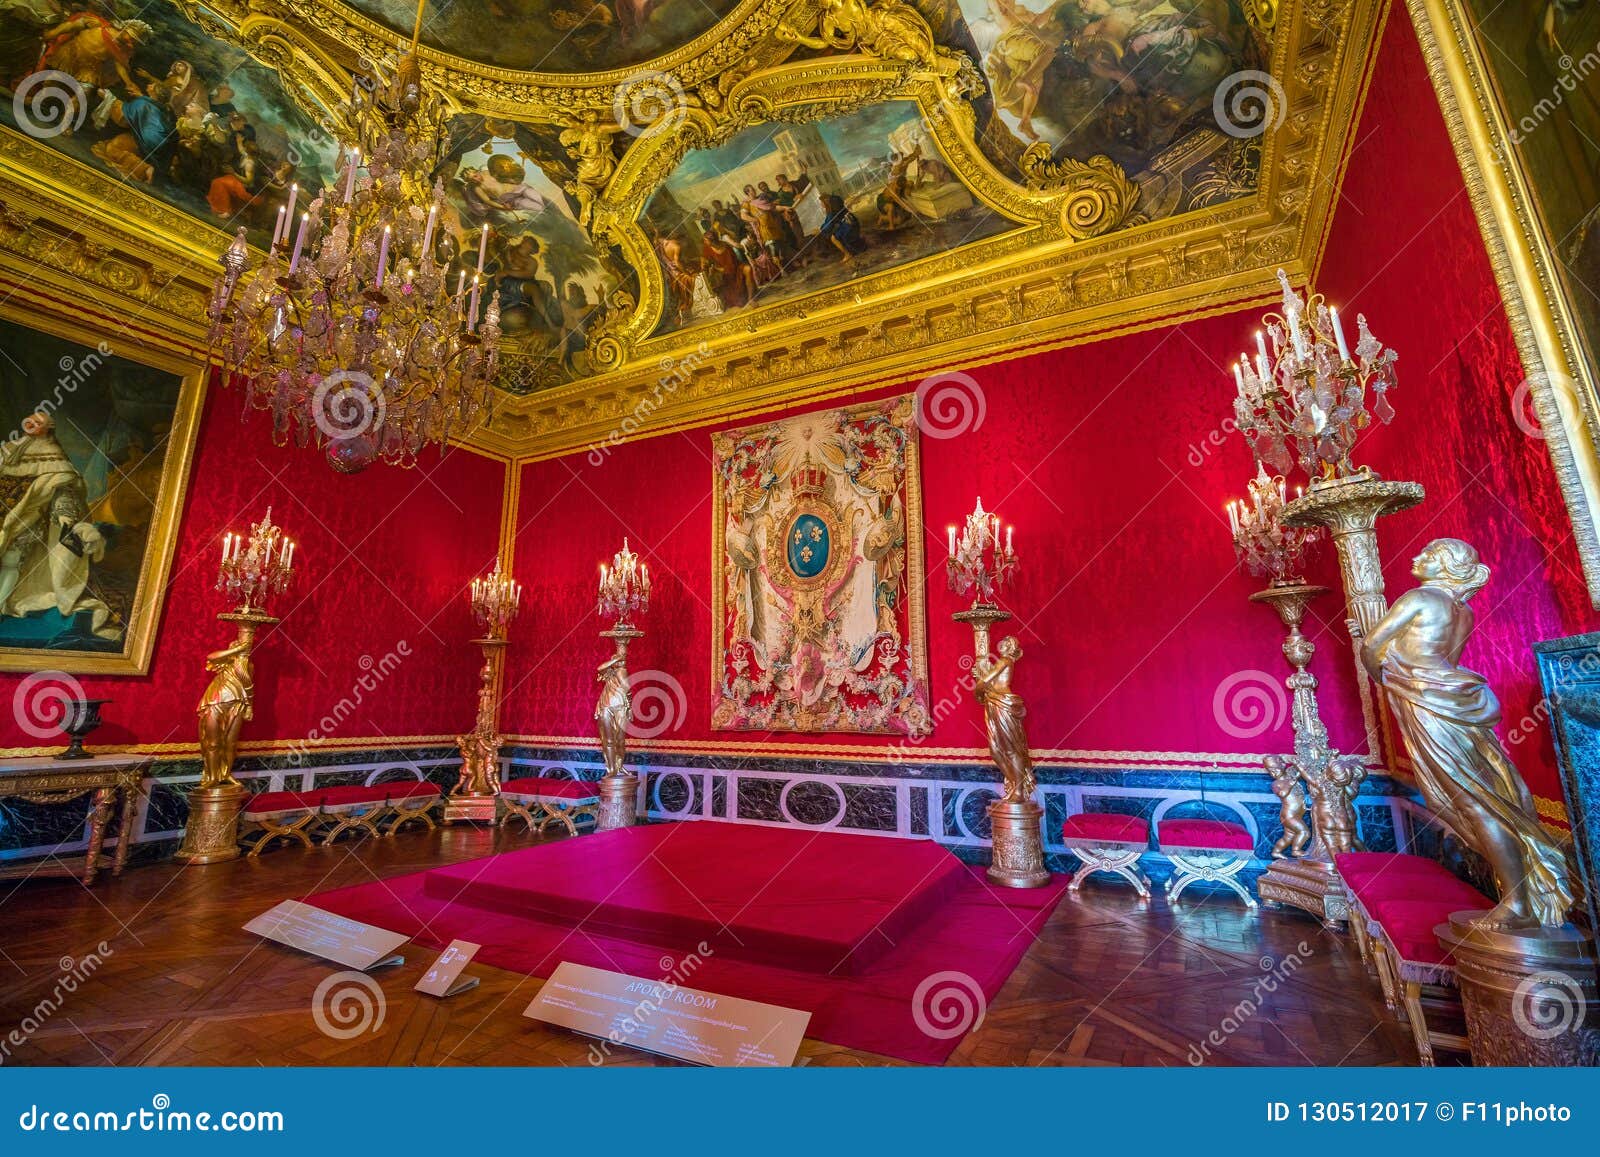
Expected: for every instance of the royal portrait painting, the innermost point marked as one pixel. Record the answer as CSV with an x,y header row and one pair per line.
x,y
93,468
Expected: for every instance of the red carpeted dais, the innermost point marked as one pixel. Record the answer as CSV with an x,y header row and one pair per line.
x,y
894,946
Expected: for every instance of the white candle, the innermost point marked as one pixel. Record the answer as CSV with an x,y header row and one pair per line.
x,y
383,256
227,540
350,175
427,234
1238,377
483,248
952,532
294,191
472,312
1009,531
277,230
299,243
461,284
1261,344
1261,367
1338,335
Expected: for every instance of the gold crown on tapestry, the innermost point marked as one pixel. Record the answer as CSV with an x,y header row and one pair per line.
x,y
808,480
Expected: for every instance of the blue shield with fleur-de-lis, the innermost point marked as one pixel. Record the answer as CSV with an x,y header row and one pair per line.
x,y
807,546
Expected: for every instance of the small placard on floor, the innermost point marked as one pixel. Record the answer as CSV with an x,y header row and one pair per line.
x,y
658,1016
440,980
336,938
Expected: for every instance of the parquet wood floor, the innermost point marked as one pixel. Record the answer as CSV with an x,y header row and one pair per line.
x,y
1109,982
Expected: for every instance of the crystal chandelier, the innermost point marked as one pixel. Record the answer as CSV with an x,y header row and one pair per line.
x,y
1264,545
350,331
978,560
1304,400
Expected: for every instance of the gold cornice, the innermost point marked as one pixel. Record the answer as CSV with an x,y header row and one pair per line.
x,y
250,747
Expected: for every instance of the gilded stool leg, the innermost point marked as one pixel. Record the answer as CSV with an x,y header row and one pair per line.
x,y
1419,1022
1386,978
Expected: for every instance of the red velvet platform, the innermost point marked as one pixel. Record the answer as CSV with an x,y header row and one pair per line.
x,y
815,902
848,927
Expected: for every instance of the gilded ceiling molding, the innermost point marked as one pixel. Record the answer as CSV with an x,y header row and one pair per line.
x,y
1082,259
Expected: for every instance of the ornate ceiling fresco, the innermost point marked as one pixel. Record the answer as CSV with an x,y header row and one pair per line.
x,y
699,207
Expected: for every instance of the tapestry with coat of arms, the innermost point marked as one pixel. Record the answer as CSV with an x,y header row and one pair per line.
x,y
818,608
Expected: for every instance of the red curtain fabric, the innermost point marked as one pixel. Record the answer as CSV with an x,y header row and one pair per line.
x,y
384,557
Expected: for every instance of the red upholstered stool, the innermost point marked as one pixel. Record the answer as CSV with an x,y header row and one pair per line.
x,y
409,801
272,815
1211,850
540,801
1108,843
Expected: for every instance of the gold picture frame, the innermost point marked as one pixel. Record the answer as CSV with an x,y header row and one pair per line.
x,y
1561,385
103,346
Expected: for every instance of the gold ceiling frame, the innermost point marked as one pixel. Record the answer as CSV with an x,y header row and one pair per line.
x,y
1541,322
1012,293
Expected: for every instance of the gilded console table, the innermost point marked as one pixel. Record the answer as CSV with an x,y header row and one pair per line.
x,y
105,779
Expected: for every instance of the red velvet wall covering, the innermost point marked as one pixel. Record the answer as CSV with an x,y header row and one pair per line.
x,y
383,558
1406,250
1130,611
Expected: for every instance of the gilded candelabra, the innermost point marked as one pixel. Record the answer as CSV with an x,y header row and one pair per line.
x,y
1316,785
253,571
624,592
980,563
352,331
1303,400
495,598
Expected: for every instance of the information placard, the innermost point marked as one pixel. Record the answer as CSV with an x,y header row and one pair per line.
x,y
440,980
336,938
657,1016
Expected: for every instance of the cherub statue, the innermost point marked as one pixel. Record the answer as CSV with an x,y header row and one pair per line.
x,y
1003,714
589,144
1291,811
1446,715
613,712
227,702
1331,813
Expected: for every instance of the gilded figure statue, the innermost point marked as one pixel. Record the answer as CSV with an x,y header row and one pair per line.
x,y
1003,715
1447,714
888,29
227,702
1332,815
1296,836
589,144
613,712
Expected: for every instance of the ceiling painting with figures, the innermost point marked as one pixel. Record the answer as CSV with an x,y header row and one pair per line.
x,y
700,184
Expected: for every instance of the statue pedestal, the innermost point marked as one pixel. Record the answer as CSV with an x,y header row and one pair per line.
x,y
1018,849
1531,996
1313,886
211,833
619,796
469,809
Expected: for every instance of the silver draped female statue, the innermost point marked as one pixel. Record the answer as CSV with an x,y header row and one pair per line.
x,y
1447,714
613,712
1003,715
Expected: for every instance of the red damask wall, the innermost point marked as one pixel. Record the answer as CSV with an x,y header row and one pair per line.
x,y
1110,461
382,561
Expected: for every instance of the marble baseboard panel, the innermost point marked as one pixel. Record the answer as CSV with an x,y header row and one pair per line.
x,y
30,831
947,802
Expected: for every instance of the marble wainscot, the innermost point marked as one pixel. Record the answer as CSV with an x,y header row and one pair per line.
x,y
31,831
1570,671
946,802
